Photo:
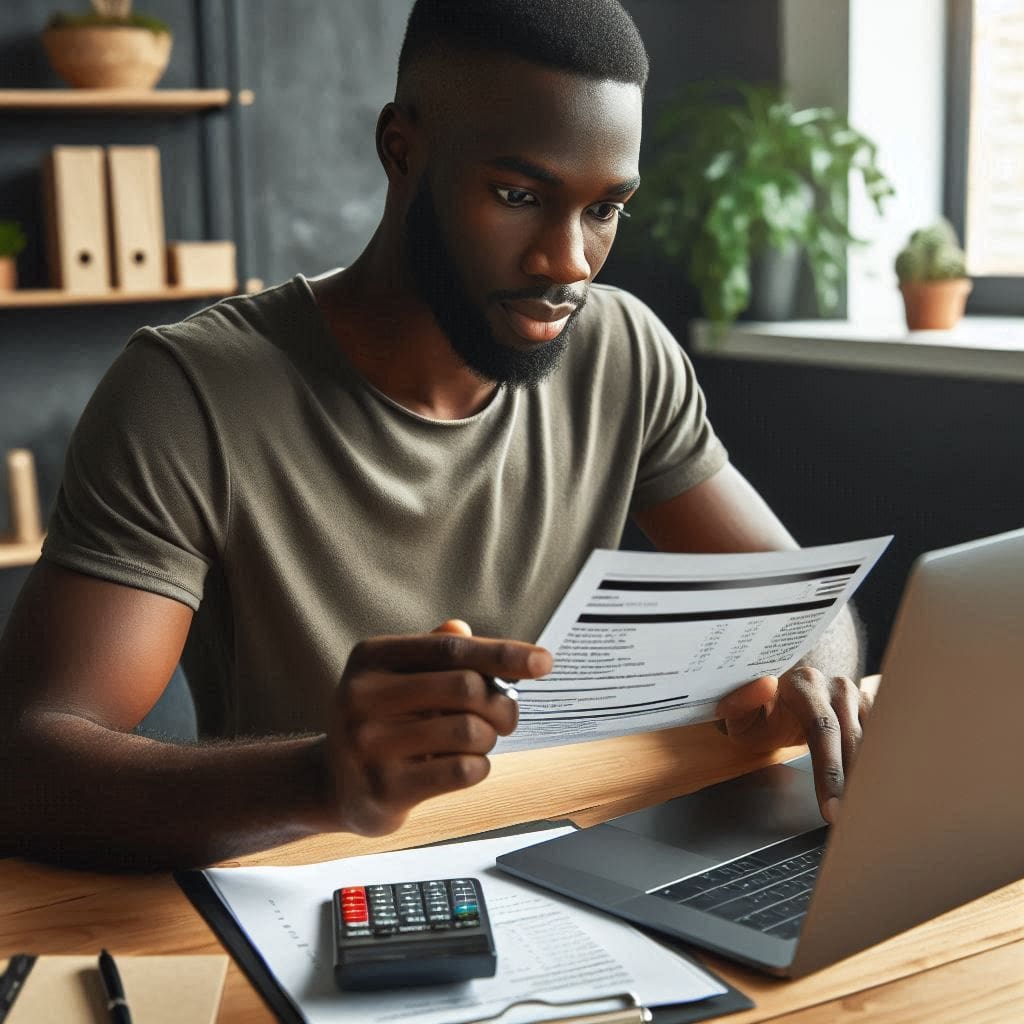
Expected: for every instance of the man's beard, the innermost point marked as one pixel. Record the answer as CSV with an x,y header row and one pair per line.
x,y
463,322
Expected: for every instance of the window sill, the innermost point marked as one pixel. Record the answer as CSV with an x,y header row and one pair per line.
x,y
980,346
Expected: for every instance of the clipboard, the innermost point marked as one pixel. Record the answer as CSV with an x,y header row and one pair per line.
x,y
206,901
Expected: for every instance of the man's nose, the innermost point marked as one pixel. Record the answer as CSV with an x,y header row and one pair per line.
x,y
558,253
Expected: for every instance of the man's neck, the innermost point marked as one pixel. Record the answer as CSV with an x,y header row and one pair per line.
x,y
392,338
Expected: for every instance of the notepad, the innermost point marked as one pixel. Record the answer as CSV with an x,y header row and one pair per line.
x,y
158,989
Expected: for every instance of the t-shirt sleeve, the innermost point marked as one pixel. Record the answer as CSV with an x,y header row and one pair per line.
x,y
144,499
680,447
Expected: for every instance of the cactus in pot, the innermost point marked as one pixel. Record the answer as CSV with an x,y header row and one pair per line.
x,y
932,273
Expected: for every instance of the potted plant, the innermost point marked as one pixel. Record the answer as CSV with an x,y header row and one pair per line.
x,y
744,185
932,272
12,241
109,47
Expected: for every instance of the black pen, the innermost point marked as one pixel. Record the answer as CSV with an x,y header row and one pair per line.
x,y
500,686
116,1005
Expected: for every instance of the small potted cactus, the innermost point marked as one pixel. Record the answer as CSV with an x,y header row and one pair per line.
x,y
932,273
108,47
12,241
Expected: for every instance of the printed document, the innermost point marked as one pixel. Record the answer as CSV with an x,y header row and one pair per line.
x,y
646,641
547,946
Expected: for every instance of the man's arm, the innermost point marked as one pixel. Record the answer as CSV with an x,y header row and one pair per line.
x,y
817,701
82,661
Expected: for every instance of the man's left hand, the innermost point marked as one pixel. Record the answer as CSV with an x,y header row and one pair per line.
x,y
802,706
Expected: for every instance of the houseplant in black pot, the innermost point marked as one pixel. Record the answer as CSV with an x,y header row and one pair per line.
x,y
743,186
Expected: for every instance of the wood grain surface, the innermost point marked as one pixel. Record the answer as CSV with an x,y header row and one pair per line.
x,y
973,954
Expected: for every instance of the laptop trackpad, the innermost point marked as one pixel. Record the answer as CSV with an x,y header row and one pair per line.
x,y
732,818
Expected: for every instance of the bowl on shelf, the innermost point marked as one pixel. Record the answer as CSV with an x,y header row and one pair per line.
x,y
107,56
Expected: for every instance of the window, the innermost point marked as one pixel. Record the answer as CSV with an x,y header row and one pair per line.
x,y
985,170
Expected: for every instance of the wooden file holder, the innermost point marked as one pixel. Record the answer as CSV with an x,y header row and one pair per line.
x,y
22,543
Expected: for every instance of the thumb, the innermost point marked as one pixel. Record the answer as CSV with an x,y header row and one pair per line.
x,y
454,626
748,699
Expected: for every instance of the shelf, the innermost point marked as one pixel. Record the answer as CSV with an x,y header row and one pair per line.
x,y
29,298
985,347
13,555
120,100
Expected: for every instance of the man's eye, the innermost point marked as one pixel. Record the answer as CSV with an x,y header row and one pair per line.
x,y
607,211
516,197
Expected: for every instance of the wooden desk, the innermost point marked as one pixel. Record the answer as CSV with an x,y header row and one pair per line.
x,y
967,965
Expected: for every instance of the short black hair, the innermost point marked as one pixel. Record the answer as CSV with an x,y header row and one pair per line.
x,y
594,38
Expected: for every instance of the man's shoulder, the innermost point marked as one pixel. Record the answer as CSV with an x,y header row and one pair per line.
x,y
617,320
236,334
621,331
610,299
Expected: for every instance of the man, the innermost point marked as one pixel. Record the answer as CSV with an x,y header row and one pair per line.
x,y
301,484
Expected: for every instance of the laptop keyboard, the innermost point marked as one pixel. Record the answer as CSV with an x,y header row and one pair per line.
x,y
768,890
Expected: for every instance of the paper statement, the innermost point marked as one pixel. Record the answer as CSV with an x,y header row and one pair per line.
x,y
645,641
548,946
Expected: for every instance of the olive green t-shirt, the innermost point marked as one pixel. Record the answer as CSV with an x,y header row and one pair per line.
x,y
238,463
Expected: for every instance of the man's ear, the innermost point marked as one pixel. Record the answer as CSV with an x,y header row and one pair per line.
x,y
394,141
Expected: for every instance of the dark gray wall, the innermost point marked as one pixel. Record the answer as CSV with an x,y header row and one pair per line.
x,y
312,184
839,454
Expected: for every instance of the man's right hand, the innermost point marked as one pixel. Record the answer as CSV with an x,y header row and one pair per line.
x,y
414,717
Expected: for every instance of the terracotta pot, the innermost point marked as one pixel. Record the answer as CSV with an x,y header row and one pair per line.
x,y
107,56
8,274
935,305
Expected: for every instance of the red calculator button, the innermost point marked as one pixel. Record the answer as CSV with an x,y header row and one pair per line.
x,y
353,905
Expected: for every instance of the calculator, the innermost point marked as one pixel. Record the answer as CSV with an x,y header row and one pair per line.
x,y
411,933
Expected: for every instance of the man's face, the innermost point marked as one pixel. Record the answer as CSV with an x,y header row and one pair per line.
x,y
517,209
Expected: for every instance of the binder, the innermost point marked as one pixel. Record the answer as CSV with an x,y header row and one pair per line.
x,y
75,210
206,900
136,218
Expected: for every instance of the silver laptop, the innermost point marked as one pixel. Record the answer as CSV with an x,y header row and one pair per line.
x,y
933,814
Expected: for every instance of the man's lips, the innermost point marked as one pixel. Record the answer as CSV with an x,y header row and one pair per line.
x,y
537,321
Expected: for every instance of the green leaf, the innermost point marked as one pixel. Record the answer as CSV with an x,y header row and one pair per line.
x,y
737,165
720,165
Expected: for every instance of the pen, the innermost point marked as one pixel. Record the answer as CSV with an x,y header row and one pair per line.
x,y
500,686
116,1005
13,980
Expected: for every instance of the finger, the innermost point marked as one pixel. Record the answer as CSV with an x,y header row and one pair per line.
x,y
404,695
420,738
846,704
395,787
457,626
505,658
746,725
404,784
771,726
805,693
866,703
748,699
462,628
